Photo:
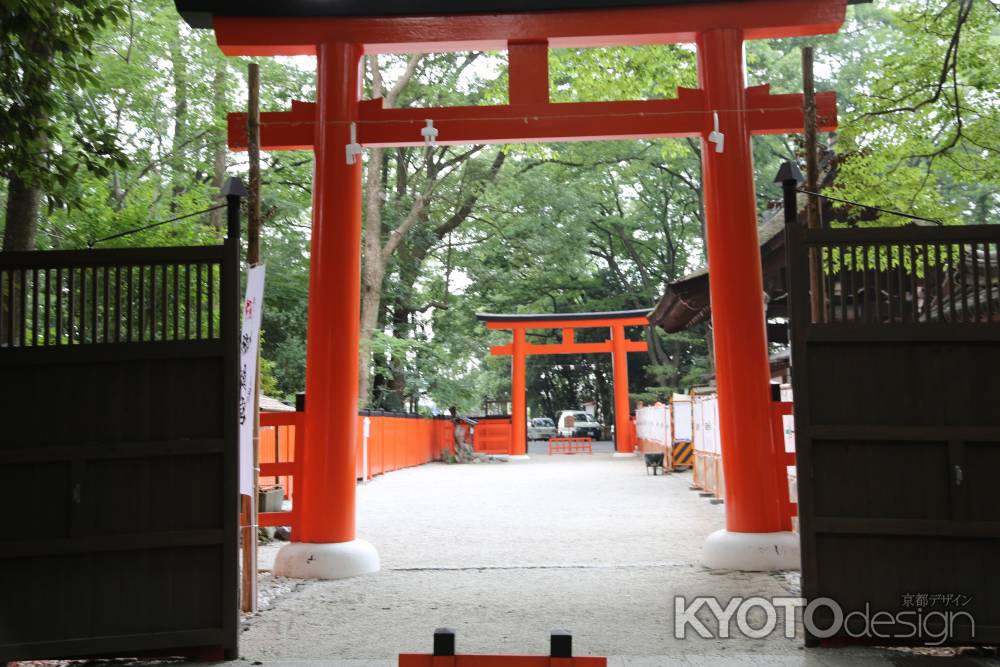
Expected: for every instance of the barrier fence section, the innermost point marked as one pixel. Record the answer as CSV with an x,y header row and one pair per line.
x,y
280,436
708,470
492,435
571,446
783,424
707,453
393,442
397,441
683,446
654,433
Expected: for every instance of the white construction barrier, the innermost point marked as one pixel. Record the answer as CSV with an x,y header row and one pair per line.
x,y
653,428
683,435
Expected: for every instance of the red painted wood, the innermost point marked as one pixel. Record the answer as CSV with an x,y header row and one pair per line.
x,y
332,343
685,116
737,293
619,358
765,19
327,497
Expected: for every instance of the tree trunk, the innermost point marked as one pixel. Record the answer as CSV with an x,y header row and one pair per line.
x,y
374,260
24,195
219,107
372,270
180,80
23,203
400,330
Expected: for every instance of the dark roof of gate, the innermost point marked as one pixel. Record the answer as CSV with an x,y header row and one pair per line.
x,y
560,317
199,13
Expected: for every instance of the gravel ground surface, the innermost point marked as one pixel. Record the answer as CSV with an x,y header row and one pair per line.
x,y
505,552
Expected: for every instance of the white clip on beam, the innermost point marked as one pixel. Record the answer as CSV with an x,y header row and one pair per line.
x,y
716,137
353,148
429,133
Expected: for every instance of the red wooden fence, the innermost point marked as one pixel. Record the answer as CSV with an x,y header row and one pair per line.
x,y
394,442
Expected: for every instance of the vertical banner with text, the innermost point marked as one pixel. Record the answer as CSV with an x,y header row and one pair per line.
x,y
249,339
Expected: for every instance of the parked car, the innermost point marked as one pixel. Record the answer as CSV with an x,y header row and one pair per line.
x,y
579,424
541,428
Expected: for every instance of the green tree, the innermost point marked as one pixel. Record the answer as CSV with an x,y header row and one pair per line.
x,y
47,131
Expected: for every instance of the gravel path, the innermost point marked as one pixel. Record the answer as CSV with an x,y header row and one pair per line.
x,y
505,552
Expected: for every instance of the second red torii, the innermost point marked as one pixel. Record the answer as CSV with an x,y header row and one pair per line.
x,y
519,348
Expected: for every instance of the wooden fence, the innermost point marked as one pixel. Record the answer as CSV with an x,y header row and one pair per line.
x,y
119,408
395,441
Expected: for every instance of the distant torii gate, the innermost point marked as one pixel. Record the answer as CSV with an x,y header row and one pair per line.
x,y
519,348
722,111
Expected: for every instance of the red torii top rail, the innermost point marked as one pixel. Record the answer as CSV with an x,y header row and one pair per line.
x,y
618,346
527,37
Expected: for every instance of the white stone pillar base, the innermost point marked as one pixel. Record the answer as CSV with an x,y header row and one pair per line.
x,y
511,457
755,552
336,560
623,455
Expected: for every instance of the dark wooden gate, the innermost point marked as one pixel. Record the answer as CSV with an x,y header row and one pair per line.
x,y
897,421
118,450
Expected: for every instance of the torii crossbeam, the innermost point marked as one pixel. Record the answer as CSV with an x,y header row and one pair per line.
x,y
339,32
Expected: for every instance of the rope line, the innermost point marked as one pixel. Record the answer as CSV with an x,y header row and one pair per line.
x,y
136,230
871,208
526,118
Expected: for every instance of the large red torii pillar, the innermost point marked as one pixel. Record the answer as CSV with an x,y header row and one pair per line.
x,y
519,349
338,33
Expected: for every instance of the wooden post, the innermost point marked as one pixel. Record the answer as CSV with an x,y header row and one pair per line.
x,y
812,176
248,599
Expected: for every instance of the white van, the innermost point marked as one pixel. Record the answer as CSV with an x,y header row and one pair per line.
x,y
579,424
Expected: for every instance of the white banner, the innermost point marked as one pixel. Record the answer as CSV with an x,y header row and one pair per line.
x,y
788,425
697,418
249,339
653,423
709,425
681,404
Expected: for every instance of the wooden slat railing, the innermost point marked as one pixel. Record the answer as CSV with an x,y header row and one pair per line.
x,y
117,295
907,275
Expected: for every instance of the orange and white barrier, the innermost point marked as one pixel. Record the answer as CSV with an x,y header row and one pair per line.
x,y
785,420
682,438
571,446
708,474
652,426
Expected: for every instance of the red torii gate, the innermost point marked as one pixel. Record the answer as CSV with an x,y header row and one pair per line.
x,y
723,112
519,348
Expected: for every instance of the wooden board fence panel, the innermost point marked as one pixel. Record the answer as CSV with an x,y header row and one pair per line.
x,y
896,423
119,410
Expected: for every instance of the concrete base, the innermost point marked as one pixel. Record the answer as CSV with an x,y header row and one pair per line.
x,y
512,457
624,455
338,560
754,552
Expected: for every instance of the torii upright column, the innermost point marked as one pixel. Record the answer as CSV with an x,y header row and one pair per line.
x,y
753,538
327,547
518,399
619,368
